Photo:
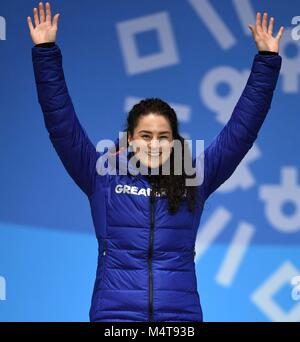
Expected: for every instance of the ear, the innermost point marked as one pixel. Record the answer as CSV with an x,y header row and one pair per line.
x,y
129,138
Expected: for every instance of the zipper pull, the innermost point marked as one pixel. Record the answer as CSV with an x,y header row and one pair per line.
x,y
152,197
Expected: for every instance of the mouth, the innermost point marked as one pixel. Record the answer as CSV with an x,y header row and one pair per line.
x,y
154,155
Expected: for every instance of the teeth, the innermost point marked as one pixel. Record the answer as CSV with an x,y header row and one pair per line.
x,y
153,154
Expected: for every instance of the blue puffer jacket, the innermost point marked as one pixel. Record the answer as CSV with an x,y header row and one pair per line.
x,y
146,268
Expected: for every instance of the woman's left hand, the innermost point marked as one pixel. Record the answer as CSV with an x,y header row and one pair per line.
x,y
263,34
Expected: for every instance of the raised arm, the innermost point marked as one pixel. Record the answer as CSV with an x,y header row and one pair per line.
x,y
69,139
227,150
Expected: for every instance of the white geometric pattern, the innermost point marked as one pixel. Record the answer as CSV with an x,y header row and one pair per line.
x,y
134,62
263,296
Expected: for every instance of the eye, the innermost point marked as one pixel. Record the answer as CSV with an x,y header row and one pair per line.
x,y
164,137
146,136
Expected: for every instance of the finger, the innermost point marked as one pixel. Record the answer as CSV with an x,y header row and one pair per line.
x,y
264,22
29,22
48,12
36,17
42,12
55,20
258,22
251,28
271,26
257,19
280,32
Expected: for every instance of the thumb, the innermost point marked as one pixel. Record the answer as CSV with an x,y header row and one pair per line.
x,y
252,29
55,20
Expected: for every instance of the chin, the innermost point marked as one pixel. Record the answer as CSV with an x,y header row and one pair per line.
x,y
154,164
151,165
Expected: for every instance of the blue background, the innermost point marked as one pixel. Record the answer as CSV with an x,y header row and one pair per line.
x,y
48,250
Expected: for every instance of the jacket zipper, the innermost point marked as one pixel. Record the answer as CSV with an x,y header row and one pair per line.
x,y
152,202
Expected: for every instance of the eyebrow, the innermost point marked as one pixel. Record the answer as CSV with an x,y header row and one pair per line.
x,y
164,132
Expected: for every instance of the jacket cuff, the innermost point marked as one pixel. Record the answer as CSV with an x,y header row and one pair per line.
x,y
45,45
265,52
267,62
265,71
38,51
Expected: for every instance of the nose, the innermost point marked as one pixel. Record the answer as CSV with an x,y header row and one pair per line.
x,y
154,145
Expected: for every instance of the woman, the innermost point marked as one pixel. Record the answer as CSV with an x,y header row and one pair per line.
x,y
146,224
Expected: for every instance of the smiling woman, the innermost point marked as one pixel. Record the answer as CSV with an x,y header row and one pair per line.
x,y
152,139
146,268
153,135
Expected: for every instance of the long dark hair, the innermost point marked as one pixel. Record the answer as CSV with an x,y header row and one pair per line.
x,y
174,186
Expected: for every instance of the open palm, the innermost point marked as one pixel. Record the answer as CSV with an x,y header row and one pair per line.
x,y
45,29
263,34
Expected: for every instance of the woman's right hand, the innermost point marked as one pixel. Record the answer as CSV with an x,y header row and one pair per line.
x,y
45,30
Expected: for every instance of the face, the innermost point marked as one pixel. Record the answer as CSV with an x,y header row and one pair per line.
x,y
152,140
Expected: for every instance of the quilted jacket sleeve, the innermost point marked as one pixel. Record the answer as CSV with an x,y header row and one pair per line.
x,y
230,146
77,153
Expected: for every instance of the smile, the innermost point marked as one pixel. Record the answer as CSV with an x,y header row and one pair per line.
x,y
154,154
